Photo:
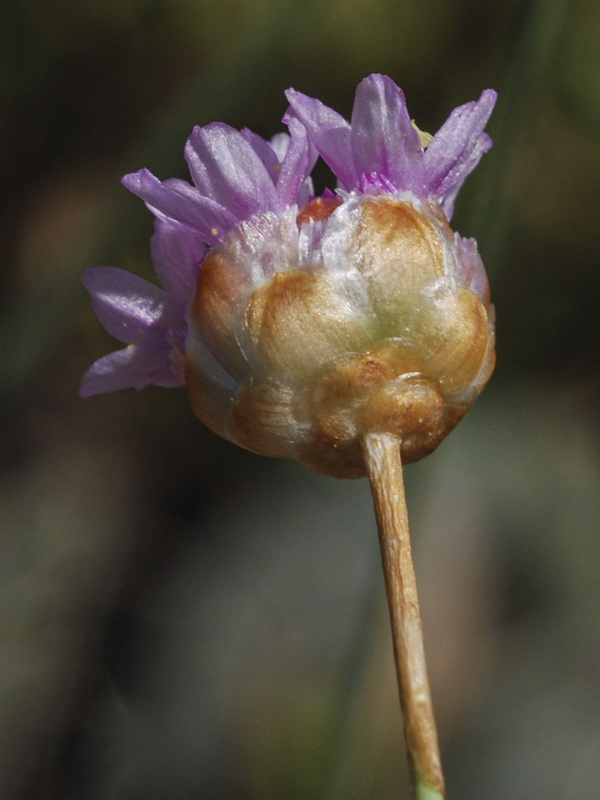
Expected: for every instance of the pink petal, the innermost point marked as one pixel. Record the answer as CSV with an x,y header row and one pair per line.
x,y
279,143
458,145
383,139
176,254
226,168
130,368
128,307
329,133
297,163
180,201
264,151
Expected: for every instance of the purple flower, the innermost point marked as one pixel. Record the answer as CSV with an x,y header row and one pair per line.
x,y
236,174
299,324
150,320
380,151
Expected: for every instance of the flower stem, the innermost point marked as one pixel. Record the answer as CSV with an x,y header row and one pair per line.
x,y
383,462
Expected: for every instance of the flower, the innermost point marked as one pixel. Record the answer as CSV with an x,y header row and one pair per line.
x,y
299,323
149,319
237,174
381,151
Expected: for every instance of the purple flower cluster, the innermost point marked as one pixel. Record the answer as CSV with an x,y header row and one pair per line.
x,y
380,150
238,176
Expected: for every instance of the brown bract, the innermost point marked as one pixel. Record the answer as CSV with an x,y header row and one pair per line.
x,y
386,338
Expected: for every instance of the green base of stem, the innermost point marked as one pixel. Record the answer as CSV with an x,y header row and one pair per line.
x,y
425,792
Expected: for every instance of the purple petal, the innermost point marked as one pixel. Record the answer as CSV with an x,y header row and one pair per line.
x,y
176,254
226,168
180,201
263,149
459,144
279,143
374,183
329,133
128,307
297,163
130,368
383,138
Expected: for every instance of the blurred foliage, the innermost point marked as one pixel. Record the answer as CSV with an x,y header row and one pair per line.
x,y
182,619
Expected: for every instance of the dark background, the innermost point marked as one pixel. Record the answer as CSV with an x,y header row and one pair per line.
x,y
181,619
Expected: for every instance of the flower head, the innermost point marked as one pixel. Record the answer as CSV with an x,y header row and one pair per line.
x,y
299,323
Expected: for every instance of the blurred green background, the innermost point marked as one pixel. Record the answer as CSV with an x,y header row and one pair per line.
x,y
181,619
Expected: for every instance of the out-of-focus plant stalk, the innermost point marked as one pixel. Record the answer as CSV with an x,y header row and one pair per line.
x,y
384,467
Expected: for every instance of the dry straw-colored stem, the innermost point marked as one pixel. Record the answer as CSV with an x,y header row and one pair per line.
x,y
384,467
